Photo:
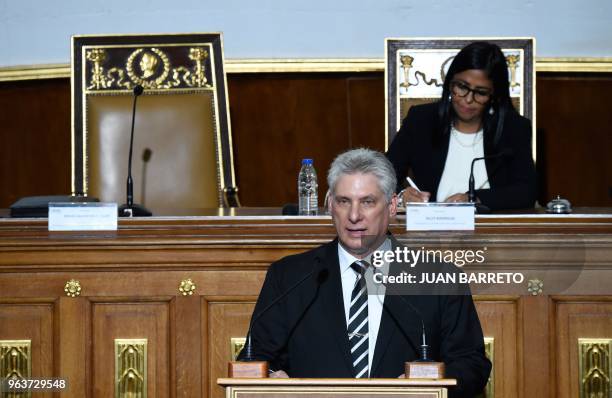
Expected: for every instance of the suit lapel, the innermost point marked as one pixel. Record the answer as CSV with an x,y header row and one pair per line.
x,y
392,315
385,332
331,293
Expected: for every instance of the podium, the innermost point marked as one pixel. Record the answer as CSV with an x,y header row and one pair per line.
x,y
335,388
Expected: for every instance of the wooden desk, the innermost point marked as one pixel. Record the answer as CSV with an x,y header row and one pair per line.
x,y
130,282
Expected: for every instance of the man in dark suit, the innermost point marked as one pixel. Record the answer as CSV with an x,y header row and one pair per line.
x,y
334,324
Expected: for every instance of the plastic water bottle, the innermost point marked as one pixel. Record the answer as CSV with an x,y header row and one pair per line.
x,y
308,189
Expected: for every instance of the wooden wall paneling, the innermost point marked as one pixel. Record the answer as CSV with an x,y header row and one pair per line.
x,y
575,127
186,340
227,317
577,317
73,337
31,320
279,118
34,139
535,349
366,111
499,318
131,320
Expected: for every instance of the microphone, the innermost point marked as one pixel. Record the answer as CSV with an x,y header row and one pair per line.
x,y
146,157
130,209
480,208
322,274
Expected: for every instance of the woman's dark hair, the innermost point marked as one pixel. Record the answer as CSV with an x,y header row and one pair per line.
x,y
489,58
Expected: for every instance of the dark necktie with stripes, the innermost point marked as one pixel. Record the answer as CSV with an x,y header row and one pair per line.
x,y
358,321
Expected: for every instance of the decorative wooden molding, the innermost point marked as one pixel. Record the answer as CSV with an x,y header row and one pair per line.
x,y
574,64
330,65
34,72
336,382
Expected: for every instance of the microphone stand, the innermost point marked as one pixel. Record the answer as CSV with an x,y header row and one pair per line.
x,y
248,366
130,209
479,208
424,367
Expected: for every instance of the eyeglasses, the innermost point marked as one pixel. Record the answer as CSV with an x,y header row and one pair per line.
x,y
460,89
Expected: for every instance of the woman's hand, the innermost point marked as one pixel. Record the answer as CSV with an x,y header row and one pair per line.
x,y
413,195
457,198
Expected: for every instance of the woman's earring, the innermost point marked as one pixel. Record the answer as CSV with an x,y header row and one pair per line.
x,y
491,110
450,97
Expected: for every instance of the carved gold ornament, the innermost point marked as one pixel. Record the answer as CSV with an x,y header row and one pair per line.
x,y
149,61
187,287
97,56
406,61
73,288
198,55
420,76
130,368
236,345
595,369
16,363
513,61
150,67
535,286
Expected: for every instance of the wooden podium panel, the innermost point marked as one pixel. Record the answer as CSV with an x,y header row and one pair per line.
x,y
227,320
583,334
26,338
499,317
188,285
335,388
148,321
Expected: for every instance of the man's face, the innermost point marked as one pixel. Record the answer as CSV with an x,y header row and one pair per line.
x,y
360,213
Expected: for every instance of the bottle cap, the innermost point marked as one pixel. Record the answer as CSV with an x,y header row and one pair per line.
x,y
307,162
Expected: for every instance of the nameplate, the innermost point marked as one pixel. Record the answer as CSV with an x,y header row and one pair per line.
x,y
83,216
440,217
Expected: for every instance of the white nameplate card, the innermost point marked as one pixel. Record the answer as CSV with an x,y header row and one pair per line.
x,y
440,217
94,216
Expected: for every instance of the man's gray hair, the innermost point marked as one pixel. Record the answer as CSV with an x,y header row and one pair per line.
x,y
365,161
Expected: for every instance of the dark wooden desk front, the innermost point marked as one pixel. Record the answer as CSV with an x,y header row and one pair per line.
x,y
188,284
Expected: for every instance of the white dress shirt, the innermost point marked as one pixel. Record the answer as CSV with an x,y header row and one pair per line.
x,y
376,293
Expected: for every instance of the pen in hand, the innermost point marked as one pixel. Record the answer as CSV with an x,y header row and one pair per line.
x,y
412,184
423,195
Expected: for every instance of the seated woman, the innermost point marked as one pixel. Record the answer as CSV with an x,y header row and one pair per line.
x,y
474,118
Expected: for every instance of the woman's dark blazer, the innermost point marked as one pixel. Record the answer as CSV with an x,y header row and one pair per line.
x,y
512,177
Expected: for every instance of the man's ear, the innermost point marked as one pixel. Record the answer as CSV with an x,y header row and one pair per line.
x,y
393,205
328,201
